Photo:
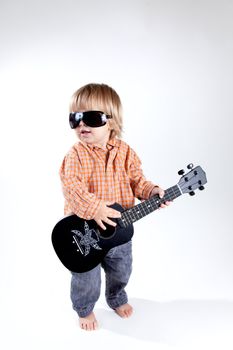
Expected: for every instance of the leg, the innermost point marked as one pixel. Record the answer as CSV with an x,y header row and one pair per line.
x,y
118,267
85,291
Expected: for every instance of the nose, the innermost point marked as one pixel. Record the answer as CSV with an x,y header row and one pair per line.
x,y
81,123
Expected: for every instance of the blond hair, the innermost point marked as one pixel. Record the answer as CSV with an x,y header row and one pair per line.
x,y
99,97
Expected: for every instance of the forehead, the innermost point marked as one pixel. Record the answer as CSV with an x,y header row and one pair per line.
x,y
82,104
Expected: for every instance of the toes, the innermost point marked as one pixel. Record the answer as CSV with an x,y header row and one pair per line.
x,y
124,311
128,313
88,325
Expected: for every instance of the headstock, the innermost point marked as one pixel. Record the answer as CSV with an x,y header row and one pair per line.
x,y
192,180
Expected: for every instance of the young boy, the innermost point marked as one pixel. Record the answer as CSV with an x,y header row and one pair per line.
x,y
98,171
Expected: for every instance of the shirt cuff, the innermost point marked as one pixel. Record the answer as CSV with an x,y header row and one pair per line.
x,y
148,189
92,209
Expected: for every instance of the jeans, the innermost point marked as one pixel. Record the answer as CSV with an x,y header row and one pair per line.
x,y
85,287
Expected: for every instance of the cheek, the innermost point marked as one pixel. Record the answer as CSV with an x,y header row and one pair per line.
x,y
102,130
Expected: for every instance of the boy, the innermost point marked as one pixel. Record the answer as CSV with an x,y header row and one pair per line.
x,y
98,171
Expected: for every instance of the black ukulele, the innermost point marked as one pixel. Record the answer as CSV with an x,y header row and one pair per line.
x,y
81,244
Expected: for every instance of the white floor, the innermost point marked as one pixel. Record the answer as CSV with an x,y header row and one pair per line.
x,y
180,324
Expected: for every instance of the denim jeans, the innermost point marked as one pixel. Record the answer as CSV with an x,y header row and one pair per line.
x,y
85,287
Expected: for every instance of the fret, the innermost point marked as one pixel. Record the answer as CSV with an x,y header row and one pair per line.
x,y
146,207
125,219
136,213
131,213
156,202
143,212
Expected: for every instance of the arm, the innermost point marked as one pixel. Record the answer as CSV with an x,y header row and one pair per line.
x,y
83,203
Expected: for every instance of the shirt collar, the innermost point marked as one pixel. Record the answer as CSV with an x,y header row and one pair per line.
x,y
110,144
113,142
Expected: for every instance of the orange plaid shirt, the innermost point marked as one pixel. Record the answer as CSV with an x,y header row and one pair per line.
x,y
90,174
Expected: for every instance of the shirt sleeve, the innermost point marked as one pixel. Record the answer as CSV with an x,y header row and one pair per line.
x,y
140,185
79,199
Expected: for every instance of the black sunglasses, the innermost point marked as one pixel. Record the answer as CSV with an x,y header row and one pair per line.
x,y
94,119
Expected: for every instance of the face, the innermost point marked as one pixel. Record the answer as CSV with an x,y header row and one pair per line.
x,y
93,136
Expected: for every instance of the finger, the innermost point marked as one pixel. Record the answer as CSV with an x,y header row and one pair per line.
x,y
100,223
165,204
161,193
110,222
113,213
109,203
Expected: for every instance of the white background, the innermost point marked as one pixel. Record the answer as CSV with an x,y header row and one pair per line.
x,y
171,64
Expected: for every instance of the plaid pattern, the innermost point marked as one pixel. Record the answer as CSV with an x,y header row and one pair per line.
x,y
90,174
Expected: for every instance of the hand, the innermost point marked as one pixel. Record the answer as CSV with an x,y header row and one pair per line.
x,y
159,191
104,213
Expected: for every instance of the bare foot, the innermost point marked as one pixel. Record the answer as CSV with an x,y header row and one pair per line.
x,y
89,323
124,310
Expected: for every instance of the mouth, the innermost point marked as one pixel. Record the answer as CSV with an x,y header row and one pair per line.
x,y
84,132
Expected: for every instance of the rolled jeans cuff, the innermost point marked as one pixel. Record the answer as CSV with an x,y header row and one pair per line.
x,y
84,312
115,304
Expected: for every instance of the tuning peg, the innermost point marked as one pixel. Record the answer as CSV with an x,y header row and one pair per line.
x,y
190,166
201,188
192,193
181,172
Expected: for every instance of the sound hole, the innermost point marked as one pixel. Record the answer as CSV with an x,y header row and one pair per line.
x,y
108,233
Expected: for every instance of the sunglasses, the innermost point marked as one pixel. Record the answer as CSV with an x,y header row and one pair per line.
x,y
94,119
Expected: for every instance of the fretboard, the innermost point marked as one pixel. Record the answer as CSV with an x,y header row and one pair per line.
x,y
146,207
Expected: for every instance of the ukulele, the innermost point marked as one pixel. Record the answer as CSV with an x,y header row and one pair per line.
x,y
81,244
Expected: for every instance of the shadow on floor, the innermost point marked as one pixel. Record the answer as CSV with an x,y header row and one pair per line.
x,y
178,322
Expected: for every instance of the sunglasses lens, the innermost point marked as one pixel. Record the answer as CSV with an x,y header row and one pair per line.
x,y
72,120
94,119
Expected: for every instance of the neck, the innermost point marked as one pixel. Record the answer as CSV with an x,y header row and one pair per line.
x,y
100,143
146,207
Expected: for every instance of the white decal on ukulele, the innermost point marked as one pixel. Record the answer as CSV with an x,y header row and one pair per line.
x,y
86,239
